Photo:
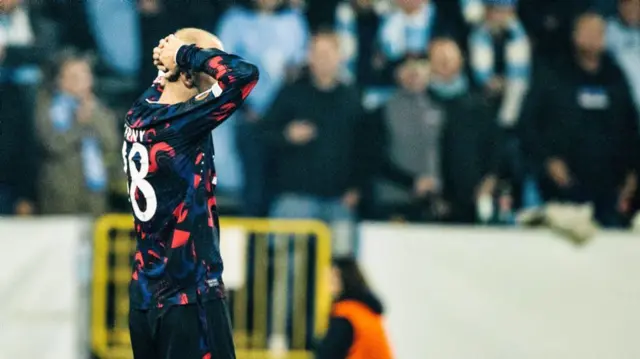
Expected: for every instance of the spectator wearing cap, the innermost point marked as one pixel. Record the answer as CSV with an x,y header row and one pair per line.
x,y
623,41
501,58
580,128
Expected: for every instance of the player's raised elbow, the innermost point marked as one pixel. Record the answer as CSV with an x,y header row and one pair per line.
x,y
251,72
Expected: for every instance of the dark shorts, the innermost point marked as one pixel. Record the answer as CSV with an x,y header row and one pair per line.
x,y
193,331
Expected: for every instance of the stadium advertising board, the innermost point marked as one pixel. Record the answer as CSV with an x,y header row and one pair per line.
x,y
41,307
493,293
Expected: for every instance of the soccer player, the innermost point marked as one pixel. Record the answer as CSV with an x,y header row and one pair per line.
x,y
177,310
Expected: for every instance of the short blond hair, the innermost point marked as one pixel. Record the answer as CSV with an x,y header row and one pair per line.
x,y
199,37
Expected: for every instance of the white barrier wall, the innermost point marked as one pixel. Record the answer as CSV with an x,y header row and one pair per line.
x,y
40,299
479,293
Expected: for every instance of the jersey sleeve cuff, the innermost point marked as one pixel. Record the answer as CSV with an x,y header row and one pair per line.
x,y
183,54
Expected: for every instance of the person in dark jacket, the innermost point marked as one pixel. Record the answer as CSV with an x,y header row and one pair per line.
x,y
548,23
355,329
18,155
25,39
471,140
312,131
579,128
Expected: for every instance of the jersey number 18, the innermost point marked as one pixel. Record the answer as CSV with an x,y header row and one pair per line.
x,y
139,182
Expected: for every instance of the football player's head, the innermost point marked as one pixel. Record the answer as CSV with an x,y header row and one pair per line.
x,y
203,39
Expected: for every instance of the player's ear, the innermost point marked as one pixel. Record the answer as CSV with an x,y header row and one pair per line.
x,y
188,80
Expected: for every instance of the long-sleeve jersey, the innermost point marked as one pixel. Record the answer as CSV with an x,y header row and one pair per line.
x,y
168,158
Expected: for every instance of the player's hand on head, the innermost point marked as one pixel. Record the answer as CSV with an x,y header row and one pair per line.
x,y
164,55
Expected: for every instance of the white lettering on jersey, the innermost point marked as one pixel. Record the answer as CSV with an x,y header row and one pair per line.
x,y
132,135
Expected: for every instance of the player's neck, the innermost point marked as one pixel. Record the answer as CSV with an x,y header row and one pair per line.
x,y
176,93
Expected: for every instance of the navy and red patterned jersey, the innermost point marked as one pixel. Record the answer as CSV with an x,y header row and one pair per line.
x,y
168,157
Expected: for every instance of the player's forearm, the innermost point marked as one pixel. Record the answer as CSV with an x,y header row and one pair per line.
x,y
227,69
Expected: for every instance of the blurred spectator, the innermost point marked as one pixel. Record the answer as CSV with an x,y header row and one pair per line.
x,y
116,30
606,8
313,130
321,13
274,39
580,128
155,23
472,11
23,43
623,41
549,24
77,133
356,328
71,20
18,169
25,38
501,58
410,126
470,140
408,30
358,23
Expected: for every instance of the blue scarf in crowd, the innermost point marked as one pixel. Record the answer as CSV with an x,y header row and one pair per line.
x,y
62,113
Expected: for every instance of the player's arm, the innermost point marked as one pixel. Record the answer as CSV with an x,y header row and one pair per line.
x,y
234,79
230,71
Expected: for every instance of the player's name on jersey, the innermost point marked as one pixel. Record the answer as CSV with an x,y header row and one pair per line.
x,y
133,135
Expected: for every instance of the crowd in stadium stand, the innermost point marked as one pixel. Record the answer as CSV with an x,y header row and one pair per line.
x,y
457,111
